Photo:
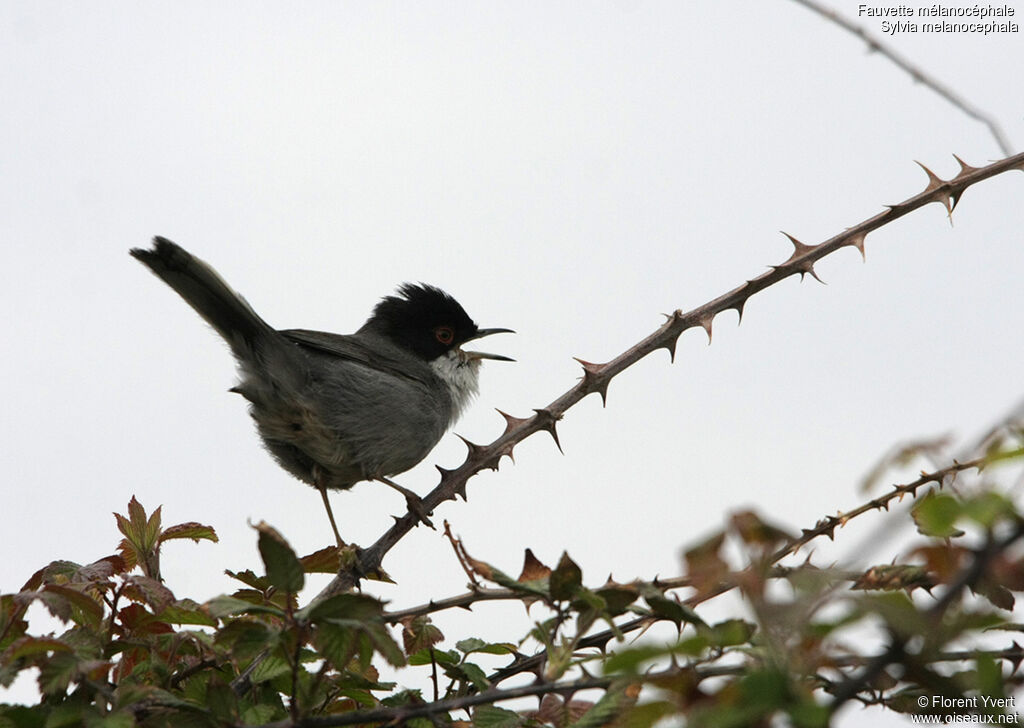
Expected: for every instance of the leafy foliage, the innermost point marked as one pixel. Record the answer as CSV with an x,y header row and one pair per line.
x,y
133,653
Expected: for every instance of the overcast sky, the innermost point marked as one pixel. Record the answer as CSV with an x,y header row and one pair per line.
x,y
567,170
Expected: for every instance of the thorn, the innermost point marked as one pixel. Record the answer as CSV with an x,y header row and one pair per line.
x,y
800,249
739,310
934,181
935,184
670,347
512,423
857,241
706,323
507,450
591,379
965,168
548,421
473,448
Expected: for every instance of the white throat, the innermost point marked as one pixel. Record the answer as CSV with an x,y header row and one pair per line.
x,y
461,375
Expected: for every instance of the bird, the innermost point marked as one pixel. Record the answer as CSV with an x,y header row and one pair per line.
x,y
337,409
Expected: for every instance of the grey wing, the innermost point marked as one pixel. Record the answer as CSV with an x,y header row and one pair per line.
x,y
382,357
389,411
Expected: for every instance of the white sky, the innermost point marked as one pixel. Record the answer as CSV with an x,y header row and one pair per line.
x,y
570,171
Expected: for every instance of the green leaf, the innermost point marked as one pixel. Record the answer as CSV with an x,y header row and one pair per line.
x,y
617,597
385,644
273,666
441,657
491,716
283,568
32,646
645,715
603,712
186,611
224,606
359,607
666,608
990,676
56,673
987,508
566,580
935,515
731,632
475,644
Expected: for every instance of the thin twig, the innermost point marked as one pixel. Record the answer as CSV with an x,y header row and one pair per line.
x,y
879,46
967,578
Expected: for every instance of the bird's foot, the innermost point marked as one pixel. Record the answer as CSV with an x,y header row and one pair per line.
x,y
415,504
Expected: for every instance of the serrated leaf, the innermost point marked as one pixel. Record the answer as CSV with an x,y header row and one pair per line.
x,y
358,607
385,644
475,644
149,591
224,606
283,568
101,570
57,673
85,610
566,580
186,611
418,634
272,666
31,646
475,675
192,530
250,578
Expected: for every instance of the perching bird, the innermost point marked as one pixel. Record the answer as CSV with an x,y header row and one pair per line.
x,y
336,409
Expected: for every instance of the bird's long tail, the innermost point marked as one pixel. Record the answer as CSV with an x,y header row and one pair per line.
x,y
205,291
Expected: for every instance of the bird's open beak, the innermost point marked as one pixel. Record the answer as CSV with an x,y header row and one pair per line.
x,y
483,354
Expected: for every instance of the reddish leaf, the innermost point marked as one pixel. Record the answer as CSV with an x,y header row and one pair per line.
x,y
192,530
533,569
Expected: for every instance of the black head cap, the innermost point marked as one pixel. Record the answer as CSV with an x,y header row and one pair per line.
x,y
424,319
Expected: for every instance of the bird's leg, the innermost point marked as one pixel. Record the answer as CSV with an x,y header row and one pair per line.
x,y
415,503
318,477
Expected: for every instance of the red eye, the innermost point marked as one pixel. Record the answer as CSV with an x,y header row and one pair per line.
x,y
444,334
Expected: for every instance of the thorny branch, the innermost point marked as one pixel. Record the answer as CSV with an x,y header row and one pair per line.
x,y
596,377
824,527
878,46
398,715
968,577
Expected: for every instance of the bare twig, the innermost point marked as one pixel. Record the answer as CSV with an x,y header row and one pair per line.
x,y
878,46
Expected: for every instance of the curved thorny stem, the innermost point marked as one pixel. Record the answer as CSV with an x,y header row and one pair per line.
x,y
596,377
